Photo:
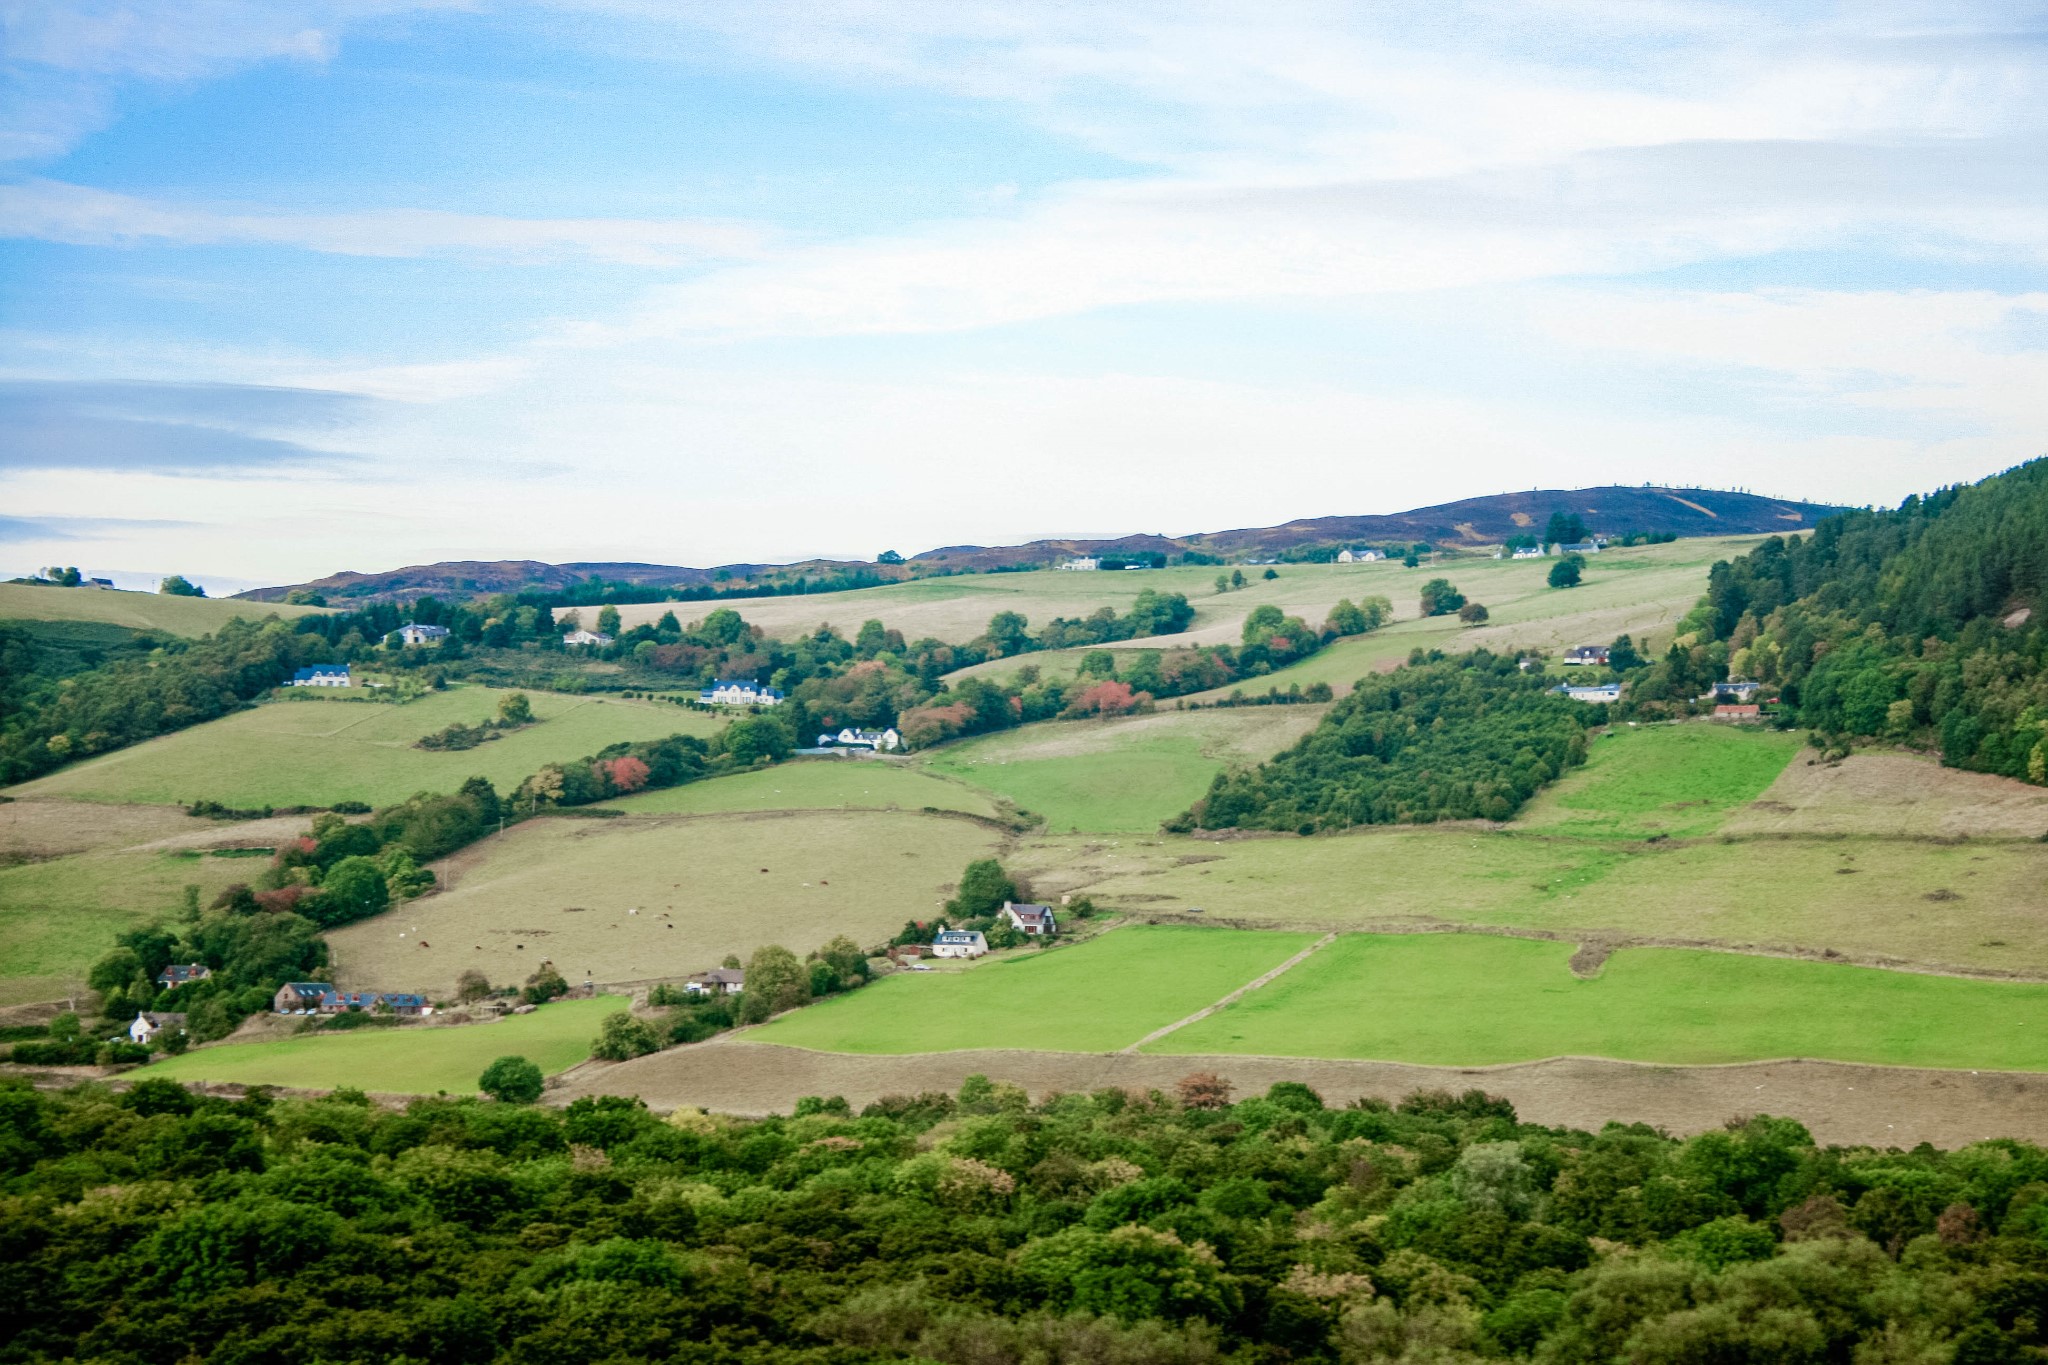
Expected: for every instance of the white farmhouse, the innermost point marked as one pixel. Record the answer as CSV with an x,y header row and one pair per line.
x,y
150,1023
1082,564
585,637
323,675
726,692
413,633
959,943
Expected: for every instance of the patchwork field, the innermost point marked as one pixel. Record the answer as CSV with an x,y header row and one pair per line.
x,y
816,784
1131,981
1475,1000
702,886
189,616
1676,780
314,753
415,1060
1126,774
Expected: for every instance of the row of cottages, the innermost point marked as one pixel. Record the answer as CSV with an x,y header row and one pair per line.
x,y
413,633
321,997
881,741
1587,656
1359,556
323,675
726,692
1583,547
580,636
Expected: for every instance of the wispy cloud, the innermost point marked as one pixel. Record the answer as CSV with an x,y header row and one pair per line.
x,y
19,529
52,211
168,428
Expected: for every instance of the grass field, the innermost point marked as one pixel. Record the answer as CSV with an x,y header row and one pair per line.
x,y
58,917
315,753
1475,1000
1131,982
189,616
1677,780
816,784
1965,905
420,1060
1128,774
562,888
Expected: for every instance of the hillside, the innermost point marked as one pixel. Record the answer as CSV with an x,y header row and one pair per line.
x,y
1472,521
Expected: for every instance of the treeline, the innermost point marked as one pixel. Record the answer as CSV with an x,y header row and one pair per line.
x,y
56,714
1179,1228
1922,625
1463,738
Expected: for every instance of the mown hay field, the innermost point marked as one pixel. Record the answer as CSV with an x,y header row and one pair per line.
x,y
1121,775
415,1059
1899,795
315,753
1096,996
188,616
659,897
1675,780
1477,1000
816,784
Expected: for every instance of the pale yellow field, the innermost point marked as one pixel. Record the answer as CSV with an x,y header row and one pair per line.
x,y
193,616
1893,794
562,889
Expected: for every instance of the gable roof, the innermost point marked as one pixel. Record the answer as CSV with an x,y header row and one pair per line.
x,y
322,671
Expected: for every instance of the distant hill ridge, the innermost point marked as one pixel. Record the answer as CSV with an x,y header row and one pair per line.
x,y
1610,510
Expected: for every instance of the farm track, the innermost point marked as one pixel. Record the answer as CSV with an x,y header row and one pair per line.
x,y
1840,1103
1203,1013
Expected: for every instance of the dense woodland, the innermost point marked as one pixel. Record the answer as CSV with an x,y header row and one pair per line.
x,y
979,1229
1923,625
1463,738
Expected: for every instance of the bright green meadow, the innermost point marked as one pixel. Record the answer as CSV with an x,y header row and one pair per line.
x,y
402,1060
188,616
1132,786
58,917
1476,1000
315,753
1674,779
1091,997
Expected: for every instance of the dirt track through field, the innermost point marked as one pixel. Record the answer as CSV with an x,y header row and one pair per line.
x,y
1203,1013
1841,1104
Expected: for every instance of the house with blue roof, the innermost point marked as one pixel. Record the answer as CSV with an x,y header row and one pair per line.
x,y
323,675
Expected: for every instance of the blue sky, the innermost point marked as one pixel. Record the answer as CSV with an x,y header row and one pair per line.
x,y
294,286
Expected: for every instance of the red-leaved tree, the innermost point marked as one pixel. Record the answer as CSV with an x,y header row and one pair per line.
x,y
626,774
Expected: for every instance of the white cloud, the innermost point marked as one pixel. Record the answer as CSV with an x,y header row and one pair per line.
x,y
57,212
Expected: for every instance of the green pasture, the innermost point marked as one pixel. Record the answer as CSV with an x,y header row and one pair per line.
x,y
59,916
1477,1000
1961,904
816,784
1121,775
1675,779
404,1060
318,752
1092,997
188,616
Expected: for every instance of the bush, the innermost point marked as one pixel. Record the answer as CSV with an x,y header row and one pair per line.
x,y
512,1080
622,1037
1567,572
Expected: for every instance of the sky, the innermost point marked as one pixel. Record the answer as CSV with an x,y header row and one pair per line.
x,y
295,286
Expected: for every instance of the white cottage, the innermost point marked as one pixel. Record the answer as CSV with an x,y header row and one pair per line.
x,y
959,943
